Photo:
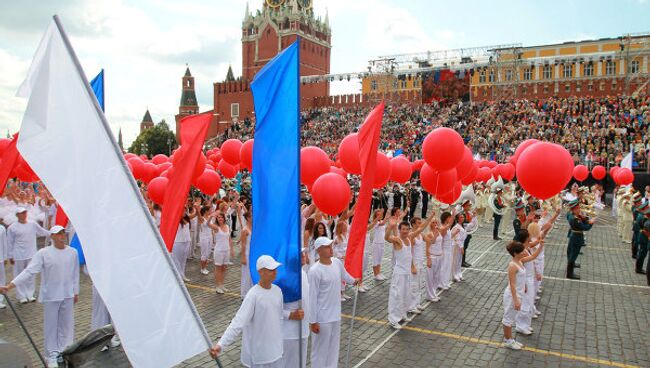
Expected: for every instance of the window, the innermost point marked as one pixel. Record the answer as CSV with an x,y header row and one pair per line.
x,y
528,74
567,71
578,88
610,67
491,76
567,88
614,85
234,110
394,84
634,67
416,83
601,86
403,84
508,75
545,89
373,85
524,90
590,87
589,69
481,76
548,72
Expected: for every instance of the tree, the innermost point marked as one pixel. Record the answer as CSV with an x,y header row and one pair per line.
x,y
153,141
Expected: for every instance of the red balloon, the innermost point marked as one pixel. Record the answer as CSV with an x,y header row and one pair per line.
x,y
230,151
451,196
544,169
157,188
521,148
209,182
227,170
336,170
508,171
159,159
349,154
471,176
246,155
624,176
331,193
482,163
580,172
465,165
492,164
149,172
163,167
128,156
137,166
382,171
144,158
598,172
437,182
442,149
313,163
613,171
400,169
484,174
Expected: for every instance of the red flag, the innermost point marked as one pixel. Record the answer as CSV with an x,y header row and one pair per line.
x,y
193,131
9,158
61,218
368,137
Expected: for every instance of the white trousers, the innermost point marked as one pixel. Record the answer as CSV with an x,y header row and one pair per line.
x,y
457,263
100,316
445,268
58,321
398,297
26,290
206,247
525,314
290,355
417,282
433,276
377,253
179,255
3,280
325,345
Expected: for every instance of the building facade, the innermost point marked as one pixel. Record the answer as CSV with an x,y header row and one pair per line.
x,y
265,34
608,66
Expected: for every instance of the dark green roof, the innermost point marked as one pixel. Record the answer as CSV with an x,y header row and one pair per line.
x,y
188,98
230,77
187,72
147,117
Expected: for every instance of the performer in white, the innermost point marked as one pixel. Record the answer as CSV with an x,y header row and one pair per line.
x,y
419,258
3,259
403,267
447,255
259,320
59,265
378,243
290,328
21,243
458,235
325,278
182,244
245,239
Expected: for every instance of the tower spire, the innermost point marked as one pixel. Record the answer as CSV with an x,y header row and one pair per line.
x,y
119,139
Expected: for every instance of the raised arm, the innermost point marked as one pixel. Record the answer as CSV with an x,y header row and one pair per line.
x,y
535,253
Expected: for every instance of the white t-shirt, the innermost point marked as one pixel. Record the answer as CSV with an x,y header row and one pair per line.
x,y
290,327
3,244
325,291
259,320
21,239
60,273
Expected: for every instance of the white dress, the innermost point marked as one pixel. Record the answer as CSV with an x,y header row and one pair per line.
x,y
399,294
459,241
509,312
205,240
433,272
246,280
222,247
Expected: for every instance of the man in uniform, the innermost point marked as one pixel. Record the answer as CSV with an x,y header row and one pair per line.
x,y
642,239
499,205
578,224
521,221
637,205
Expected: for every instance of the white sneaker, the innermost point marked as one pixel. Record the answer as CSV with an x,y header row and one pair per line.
x,y
445,287
343,299
205,271
23,301
409,318
346,296
225,290
395,325
3,306
362,289
115,341
538,313
415,311
380,277
512,344
421,308
229,263
219,290
52,363
524,332
186,279
535,316
434,299
31,299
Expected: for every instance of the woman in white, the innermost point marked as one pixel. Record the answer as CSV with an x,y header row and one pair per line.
x,y
447,255
181,246
458,235
433,251
403,269
419,254
524,316
205,237
514,292
245,241
378,243
222,250
339,247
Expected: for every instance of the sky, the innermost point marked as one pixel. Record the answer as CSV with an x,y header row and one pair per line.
x,y
144,45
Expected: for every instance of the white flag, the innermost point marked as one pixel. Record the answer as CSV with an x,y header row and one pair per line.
x,y
627,161
66,140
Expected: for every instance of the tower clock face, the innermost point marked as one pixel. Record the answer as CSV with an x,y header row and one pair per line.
x,y
274,3
305,4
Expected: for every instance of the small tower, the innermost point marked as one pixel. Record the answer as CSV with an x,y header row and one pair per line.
x,y
230,76
188,105
147,122
119,140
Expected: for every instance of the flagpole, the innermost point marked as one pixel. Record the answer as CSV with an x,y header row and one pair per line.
x,y
354,314
134,186
299,218
20,321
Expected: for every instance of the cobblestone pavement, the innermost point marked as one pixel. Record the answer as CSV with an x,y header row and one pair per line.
x,y
601,320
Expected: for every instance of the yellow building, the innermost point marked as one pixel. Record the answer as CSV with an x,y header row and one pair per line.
x,y
385,83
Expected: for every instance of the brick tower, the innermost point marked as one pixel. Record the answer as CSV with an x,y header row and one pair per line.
x,y
264,34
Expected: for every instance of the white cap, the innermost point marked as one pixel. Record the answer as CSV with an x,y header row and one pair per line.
x,y
322,241
56,229
20,210
267,262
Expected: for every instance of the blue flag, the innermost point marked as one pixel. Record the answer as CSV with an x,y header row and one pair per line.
x,y
97,84
276,153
